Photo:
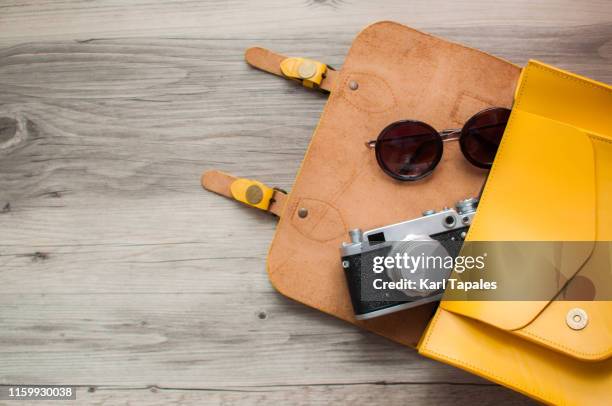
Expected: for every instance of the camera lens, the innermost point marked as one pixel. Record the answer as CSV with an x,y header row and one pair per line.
x,y
449,221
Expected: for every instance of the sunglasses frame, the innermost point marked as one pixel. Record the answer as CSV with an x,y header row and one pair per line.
x,y
442,136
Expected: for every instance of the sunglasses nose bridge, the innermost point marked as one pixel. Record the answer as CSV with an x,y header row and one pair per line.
x,y
452,134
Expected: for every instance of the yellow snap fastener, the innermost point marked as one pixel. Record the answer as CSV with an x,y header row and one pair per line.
x,y
307,69
577,319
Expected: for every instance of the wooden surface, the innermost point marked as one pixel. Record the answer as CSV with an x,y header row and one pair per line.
x,y
119,274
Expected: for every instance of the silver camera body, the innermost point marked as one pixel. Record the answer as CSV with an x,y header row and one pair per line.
x,y
436,233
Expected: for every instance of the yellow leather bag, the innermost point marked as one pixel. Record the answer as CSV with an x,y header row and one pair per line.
x,y
551,181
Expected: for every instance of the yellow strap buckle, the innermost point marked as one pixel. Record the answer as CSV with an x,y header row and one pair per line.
x,y
252,192
308,71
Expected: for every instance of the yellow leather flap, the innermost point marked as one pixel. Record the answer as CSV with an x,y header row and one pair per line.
x,y
532,194
546,185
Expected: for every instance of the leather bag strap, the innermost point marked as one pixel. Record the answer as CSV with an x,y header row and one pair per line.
x,y
250,192
310,73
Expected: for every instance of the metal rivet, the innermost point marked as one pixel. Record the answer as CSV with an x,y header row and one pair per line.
x,y
254,194
353,85
307,69
577,319
303,212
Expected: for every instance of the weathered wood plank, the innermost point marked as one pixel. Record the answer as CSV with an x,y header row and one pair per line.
x,y
300,21
194,341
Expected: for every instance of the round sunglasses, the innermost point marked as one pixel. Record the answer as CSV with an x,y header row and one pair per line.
x,y
410,150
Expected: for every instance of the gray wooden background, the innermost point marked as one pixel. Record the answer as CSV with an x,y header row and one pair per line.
x,y
119,274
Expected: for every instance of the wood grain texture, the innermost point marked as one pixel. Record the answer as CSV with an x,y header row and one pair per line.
x,y
118,271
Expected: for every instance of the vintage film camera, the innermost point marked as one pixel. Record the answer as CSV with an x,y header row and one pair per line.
x,y
436,234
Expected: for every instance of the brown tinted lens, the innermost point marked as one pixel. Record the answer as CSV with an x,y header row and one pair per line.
x,y
408,150
482,134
